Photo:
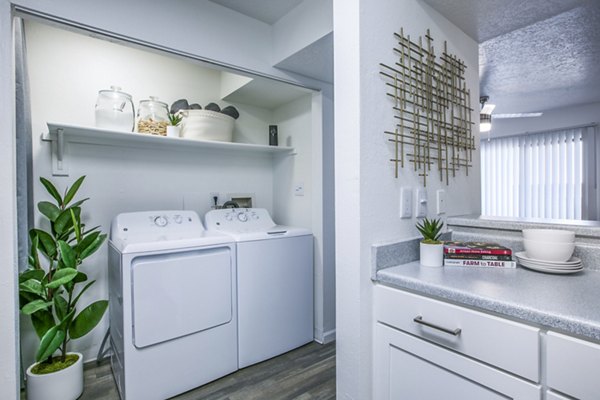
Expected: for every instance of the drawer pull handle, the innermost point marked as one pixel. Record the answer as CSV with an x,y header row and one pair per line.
x,y
454,332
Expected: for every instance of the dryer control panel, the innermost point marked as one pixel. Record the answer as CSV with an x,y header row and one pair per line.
x,y
157,225
238,220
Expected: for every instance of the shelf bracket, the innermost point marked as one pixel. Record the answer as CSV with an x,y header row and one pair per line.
x,y
59,147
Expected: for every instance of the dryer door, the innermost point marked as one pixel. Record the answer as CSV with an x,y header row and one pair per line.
x,y
180,293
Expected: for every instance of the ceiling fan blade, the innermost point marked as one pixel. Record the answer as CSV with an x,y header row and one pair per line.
x,y
517,115
488,108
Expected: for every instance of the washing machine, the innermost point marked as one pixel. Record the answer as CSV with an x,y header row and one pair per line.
x,y
275,282
172,304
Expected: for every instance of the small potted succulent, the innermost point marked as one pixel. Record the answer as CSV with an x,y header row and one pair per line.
x,y
51,287
173,130
431,248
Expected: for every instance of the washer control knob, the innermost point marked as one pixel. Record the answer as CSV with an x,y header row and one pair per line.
x,y
229,217
243,217
178,219
160,221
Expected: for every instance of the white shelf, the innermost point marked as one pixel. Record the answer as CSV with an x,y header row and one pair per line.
x,y
62,134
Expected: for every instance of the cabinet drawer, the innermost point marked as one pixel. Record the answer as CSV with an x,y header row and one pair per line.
x,y
572,366
505,344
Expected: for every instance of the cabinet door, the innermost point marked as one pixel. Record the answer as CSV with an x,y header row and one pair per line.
x,y
406,367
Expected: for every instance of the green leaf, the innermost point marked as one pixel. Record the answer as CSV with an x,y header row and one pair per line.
x,y
51,341
86,242
61,277
50,210
79,203
64,222
60,306
48,246
52,190
70,193
76,226
74,302
67,255
34,306
88,319
91,249
36,274
42,321
32,286
80,277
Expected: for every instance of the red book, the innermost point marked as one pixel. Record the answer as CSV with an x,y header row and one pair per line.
x,y
476,248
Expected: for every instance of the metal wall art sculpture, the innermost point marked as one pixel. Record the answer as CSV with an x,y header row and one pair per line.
x,y
432,107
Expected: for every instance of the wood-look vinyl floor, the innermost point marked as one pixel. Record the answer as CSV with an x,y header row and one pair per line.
x,y
307,373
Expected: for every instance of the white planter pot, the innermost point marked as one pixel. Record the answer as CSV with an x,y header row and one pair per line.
x,y
432,255
66,384
173,131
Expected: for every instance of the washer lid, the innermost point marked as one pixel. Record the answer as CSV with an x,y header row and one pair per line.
x,y
246,224
161,230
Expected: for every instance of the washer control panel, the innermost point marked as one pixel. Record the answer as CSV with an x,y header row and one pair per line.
x,y
238,220
162,225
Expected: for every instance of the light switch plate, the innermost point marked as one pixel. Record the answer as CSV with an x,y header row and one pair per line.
x,y
421,203
406,202
299,189
441,201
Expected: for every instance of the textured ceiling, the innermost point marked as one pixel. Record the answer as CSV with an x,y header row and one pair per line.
x,y
267,11
534,55
551,64
485,19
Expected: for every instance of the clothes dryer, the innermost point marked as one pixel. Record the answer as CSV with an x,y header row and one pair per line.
x,y
173,308
275,282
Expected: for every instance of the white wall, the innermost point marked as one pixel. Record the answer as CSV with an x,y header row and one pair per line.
x,y
367,194
551,119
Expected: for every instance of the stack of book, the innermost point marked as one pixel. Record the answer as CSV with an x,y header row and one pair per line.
x,y
477,254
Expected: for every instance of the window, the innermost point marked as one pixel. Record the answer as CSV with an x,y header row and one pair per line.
x,y
550,175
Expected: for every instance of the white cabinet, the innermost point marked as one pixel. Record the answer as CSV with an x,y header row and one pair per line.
x,y
429,349
407,367
573,366
507,345
550,395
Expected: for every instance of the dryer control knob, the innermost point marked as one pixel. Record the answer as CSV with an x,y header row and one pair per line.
x,y
160,221
243,217
178,219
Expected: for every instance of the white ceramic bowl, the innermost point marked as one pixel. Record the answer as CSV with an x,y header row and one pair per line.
x,y
545,251
549,235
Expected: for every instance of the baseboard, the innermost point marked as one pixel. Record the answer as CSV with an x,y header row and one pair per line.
x,y
325,337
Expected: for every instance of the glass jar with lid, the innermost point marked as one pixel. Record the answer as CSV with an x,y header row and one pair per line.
x,y
153,117
114,110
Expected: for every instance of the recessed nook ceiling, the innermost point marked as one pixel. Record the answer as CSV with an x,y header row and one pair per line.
x,y
267,11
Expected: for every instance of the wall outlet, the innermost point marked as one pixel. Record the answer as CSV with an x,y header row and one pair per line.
x,y
406,202
421,210
441,201
299,189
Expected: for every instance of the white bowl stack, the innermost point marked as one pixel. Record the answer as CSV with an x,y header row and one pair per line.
x,y
549,250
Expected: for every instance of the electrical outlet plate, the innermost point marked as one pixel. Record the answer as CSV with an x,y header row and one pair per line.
x,y
406,202
299,189
421,210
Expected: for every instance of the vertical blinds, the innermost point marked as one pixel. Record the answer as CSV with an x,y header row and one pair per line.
x,y
534,176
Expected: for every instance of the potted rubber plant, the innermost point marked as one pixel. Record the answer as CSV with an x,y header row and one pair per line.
x,y
431,248
49,292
